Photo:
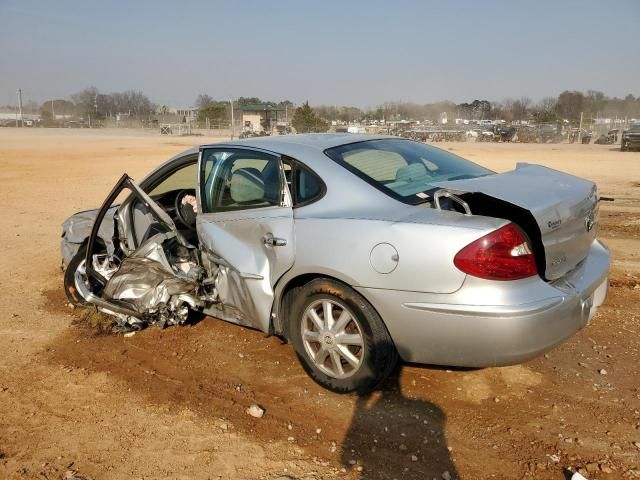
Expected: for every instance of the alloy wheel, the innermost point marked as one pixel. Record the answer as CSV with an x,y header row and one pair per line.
x,y
332,338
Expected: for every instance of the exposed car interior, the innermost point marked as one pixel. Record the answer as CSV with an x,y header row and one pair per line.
x,y
172,193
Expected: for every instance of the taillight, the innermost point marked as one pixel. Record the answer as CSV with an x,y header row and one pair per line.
x,y
501,255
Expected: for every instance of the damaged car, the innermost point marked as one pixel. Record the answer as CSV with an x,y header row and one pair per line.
x,y
356,249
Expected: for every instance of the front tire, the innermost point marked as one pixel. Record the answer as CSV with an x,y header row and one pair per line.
x,y
70,277
339,338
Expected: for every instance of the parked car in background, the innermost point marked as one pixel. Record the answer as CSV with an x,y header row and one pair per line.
x,y
549,133
76,124
631,138
357,249
504,133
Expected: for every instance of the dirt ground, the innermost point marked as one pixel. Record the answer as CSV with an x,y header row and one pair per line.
x,y
170,404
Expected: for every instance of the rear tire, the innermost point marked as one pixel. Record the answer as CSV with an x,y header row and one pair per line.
x,y
352,351
69,277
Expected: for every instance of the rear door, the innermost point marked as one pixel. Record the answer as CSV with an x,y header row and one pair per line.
x,y
245,226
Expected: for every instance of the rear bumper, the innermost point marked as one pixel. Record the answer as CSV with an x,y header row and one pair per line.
x,y
489,323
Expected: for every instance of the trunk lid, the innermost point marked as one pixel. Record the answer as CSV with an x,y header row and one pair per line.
x,y
564,207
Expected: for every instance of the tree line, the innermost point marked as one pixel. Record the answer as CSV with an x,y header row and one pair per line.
x,y
568,105
90,102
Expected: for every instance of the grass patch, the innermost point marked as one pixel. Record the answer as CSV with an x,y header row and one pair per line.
x,y
91,319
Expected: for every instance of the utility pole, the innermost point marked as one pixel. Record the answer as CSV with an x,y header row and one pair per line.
x,y
20,107
580,129
53,112
233,127
95,105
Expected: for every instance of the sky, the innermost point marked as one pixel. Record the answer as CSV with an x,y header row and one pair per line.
x,y
360,53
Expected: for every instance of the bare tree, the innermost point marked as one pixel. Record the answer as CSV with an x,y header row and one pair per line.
x,y
85,101
547,104
203,101
133,103
520,108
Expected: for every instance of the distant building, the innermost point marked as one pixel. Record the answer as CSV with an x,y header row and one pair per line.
x,y
6,116
189,114
261,117
356,128
602,121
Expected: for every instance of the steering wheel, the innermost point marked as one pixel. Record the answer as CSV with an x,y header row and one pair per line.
x,y
185,212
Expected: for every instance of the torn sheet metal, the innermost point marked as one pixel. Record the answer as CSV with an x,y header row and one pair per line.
x,y
155,284
161,297
233,297
160,281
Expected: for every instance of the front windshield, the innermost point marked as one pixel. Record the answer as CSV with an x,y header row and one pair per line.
x,y
403,169
635,128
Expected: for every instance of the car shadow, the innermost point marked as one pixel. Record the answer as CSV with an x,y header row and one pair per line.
x,y
394,436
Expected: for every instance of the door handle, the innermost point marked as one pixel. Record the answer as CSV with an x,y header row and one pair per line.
x,y
275,241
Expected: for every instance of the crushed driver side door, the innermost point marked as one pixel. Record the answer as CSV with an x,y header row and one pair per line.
x,y
156,283
245,229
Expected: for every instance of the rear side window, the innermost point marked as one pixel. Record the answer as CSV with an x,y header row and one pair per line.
x,y
308,185
304,184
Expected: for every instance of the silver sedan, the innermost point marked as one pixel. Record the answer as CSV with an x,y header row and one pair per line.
x,y
357,249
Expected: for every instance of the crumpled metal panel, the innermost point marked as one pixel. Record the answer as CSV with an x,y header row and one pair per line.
x,y
145,284
158,281
152,290
249,268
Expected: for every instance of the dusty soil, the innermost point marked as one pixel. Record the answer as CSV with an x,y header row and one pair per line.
x,y
171,403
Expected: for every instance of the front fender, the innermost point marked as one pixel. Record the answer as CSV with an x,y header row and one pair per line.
x,y
77,228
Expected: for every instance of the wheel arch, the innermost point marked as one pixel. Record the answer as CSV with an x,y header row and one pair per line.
x,y
279,312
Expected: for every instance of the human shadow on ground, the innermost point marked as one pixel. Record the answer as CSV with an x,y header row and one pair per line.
x,y
392,436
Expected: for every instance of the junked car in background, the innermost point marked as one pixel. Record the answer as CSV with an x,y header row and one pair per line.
x,y
631,138
357,249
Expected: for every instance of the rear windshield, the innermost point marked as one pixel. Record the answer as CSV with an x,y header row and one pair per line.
x,y
404,169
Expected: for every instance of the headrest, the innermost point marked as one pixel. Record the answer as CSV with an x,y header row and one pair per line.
x,y
247,185
411,173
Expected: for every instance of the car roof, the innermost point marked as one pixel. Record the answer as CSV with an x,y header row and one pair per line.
x,y
307,148
290,144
